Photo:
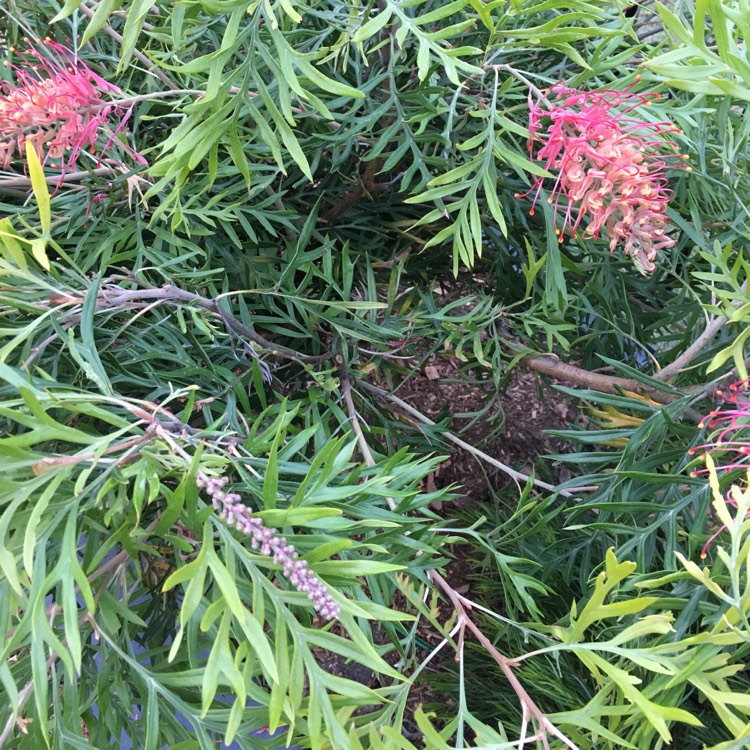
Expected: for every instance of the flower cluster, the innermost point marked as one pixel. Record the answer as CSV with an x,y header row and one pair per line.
x,y
609,169
729,448
269,543
57,104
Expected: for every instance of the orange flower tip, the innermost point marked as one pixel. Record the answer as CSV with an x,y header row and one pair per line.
x,y
693,474
688,168
649,103
516,195
703,555
549,200
701,425
531,213
637,77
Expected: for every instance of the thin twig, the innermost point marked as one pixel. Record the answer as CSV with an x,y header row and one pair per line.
x,y
523,79
50,463
713,327
24,182
346,392
461,604
171,294
120,557
517,475
23,696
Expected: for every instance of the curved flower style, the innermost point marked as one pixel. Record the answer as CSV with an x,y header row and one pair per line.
x,y
269,543
58,104
728,450
610,175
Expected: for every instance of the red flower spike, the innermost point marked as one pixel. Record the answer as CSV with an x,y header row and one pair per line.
x,y
58,104
610,175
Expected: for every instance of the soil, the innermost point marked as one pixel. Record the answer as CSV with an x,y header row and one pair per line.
x,y
512,430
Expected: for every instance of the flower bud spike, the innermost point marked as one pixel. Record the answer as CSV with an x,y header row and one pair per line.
x,y
270,544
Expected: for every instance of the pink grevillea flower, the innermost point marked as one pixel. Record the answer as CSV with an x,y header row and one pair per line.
x,y
269,543
610,174
58,104
730,447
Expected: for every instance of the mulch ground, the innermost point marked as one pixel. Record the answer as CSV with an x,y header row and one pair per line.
x,y
512,430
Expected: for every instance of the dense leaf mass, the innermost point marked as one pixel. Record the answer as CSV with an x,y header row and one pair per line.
x,y
267,267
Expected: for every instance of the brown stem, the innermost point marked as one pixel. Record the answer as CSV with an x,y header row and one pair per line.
x,y
115,297
365,185
23,697
522,78
346,392
713,327
119,558
15,183
49,463
461,604
550,365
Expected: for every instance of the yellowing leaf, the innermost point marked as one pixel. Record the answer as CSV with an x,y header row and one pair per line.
x,y
10,245
39,251
39,186
613,418
703,575
646,399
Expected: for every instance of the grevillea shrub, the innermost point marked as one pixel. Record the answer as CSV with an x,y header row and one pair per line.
x,y
274,261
